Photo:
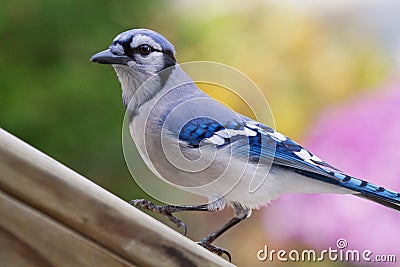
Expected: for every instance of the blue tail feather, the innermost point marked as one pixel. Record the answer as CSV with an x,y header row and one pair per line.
x,y
361,188
370,191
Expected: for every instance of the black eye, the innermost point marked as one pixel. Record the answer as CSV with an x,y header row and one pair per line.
x,y
145,49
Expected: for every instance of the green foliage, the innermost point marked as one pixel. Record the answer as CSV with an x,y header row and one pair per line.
x,y
52,96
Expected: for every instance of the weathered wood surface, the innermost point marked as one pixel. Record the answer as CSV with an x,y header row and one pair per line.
x,y
52,216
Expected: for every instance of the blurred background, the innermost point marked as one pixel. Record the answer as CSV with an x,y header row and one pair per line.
x,y
330,71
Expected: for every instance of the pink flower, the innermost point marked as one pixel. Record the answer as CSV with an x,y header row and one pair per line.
x,y
361,138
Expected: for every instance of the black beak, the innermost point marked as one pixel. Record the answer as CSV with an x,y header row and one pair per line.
x,y
106,57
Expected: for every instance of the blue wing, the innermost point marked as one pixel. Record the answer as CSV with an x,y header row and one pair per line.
x,y
257,142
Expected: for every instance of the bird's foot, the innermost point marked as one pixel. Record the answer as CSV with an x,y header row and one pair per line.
x,y
163,210
206,243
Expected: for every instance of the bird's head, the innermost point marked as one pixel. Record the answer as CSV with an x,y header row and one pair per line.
x,y
141,50
136,56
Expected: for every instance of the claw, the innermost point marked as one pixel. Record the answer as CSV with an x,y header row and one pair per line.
x,y
164,210
214,249
177,222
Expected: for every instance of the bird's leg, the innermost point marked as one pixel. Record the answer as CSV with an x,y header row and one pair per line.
x,y
169,209
241,213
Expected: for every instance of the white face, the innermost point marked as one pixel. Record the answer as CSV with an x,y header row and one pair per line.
x,y
150,63
147,58
146,54
137,57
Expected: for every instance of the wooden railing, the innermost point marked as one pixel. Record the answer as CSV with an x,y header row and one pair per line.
x,y
52,216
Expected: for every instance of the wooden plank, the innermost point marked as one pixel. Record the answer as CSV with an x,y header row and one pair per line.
x,y
68,197
15,253
34,239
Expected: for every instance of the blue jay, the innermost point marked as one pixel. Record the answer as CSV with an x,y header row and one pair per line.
x,y
195,142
